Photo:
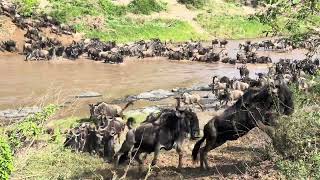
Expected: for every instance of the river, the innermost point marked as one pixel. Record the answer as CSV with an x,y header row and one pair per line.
x,y
28,83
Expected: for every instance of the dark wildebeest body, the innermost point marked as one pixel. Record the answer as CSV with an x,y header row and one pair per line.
x,y
244,71
252,109
166,130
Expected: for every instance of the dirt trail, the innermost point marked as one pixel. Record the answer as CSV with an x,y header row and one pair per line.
x,y
8,30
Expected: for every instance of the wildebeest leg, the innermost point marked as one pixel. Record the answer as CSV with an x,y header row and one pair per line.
x,y
210,144
110,149
156,153
137,158
179,151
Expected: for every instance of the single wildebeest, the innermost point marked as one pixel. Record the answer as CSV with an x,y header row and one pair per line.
x,y
38,54
191,99
9,45
175,55
165,131
109,132
102,110
223,43
244,71
252,109
214,42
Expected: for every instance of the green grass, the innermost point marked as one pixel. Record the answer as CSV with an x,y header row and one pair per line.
x,y
233,27
116,25
27,7
55,162
127,30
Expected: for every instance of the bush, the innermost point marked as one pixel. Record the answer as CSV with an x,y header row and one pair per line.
x,y
297,136
194,3
146,6
65,10
111,9
30,127
27,7
6,162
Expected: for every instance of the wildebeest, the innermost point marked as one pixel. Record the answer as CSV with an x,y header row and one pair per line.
x,y
114,57
164,131
244,71
191,99
175,55
223,43
9,45
38,54
254,107
102,110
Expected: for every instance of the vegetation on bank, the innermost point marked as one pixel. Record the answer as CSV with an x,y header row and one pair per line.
x,y
108,21
296,138
230,20
6,159
128,30
232,27
30,129
295,19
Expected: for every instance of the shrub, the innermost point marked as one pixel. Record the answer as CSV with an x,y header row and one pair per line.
x,y
146,6
65,10
27,7
111,9
30,127
297,136
6,162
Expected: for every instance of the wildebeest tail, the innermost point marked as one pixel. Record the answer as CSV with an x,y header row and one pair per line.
x,y
196,148
126,106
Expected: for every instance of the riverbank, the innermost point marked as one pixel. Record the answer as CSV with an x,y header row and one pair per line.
x,y
143,20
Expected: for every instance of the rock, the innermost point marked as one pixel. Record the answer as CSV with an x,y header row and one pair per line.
x,y
11,115
205,101
88,94
201,87
155,95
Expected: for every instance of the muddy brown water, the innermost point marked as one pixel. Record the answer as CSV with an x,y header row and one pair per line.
x,y
27,83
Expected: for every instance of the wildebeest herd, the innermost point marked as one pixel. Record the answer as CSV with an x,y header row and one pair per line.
x,y
259,104
37,46
248,102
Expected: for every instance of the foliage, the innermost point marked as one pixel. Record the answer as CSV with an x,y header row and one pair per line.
x,y
194,3
297,136
146,6
289,17
30,127
27,7
234,27
65,10
111,9
6,160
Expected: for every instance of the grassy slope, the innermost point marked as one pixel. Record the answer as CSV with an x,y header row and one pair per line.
x,y
229,20
218,18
